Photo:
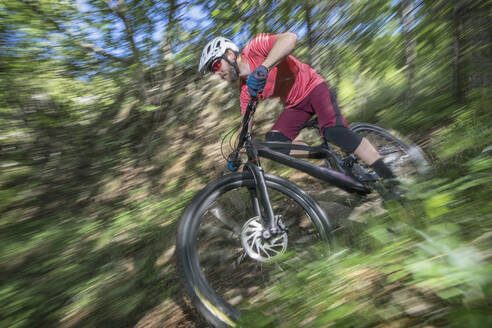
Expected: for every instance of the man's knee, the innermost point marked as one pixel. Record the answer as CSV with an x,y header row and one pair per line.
x,y
343,137
280,137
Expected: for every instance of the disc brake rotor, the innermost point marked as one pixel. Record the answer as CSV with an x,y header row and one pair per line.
x,y
256,246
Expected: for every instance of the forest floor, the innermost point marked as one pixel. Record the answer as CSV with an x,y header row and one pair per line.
x,y
347,210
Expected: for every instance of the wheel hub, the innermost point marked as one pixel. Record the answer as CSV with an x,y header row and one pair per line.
x,y
259,248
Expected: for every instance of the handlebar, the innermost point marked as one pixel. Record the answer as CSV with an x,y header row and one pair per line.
x,y
248,116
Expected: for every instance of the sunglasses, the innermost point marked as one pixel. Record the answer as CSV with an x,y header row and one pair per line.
x,y
216,65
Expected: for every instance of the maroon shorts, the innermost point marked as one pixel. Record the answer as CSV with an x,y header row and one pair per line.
x,y
322,102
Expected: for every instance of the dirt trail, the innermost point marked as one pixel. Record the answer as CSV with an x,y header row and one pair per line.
x,y
170,314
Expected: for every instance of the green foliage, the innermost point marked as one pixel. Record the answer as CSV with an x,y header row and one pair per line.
x,y
412,274
106,133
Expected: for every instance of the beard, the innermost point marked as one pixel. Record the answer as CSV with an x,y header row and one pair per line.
x,y
232,75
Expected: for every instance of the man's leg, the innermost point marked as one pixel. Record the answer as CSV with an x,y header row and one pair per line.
x,y
335,129
274,135
366,152
287,126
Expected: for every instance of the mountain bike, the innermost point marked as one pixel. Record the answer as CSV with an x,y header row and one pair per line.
x,y
238,228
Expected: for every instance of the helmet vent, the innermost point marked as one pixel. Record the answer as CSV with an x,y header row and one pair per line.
x,y
215,49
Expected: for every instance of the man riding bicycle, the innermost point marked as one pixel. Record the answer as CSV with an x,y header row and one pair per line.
x,y
265,68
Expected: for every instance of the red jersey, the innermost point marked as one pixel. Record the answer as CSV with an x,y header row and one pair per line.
x,y
290,80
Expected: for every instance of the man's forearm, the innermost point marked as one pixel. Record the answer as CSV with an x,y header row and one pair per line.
x,y
284,44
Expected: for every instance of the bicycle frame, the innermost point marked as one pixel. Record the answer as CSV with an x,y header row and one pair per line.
x,y
267,149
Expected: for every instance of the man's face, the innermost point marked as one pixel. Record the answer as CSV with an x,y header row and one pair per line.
x,y
225,70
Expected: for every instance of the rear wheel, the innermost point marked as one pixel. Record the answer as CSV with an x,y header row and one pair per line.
x,y
407,161
222,257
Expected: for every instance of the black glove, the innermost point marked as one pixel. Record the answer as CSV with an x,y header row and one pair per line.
x,y
257,80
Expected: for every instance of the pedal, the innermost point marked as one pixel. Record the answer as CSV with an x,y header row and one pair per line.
x,y
349,161
368,177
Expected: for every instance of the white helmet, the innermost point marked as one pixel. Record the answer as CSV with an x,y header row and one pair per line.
x,y
214,49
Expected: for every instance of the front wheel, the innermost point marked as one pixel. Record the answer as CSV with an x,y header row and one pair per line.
x,y
407,161
224,262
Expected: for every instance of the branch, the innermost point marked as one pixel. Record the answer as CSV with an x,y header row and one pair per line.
x,y
119,11
34,6
101,51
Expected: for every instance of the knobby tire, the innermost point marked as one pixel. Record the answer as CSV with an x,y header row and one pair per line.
x,y
196,240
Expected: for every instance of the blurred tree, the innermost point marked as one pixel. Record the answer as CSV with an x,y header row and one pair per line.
x,y
92,90
308,12
407,14
458,47
479,31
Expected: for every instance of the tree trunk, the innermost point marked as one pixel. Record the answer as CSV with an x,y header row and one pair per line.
x,y
408,7
172,21
458,46
309,33
120,10
480,44
472,65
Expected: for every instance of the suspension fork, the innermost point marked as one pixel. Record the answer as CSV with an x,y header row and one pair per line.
x,y
255,203
253,165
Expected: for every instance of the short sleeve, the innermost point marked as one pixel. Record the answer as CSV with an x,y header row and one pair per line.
x,y
255,53
262,44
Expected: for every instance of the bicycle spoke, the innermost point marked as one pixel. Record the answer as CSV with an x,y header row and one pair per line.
x,y
220,214
222,256
221,232
395,155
